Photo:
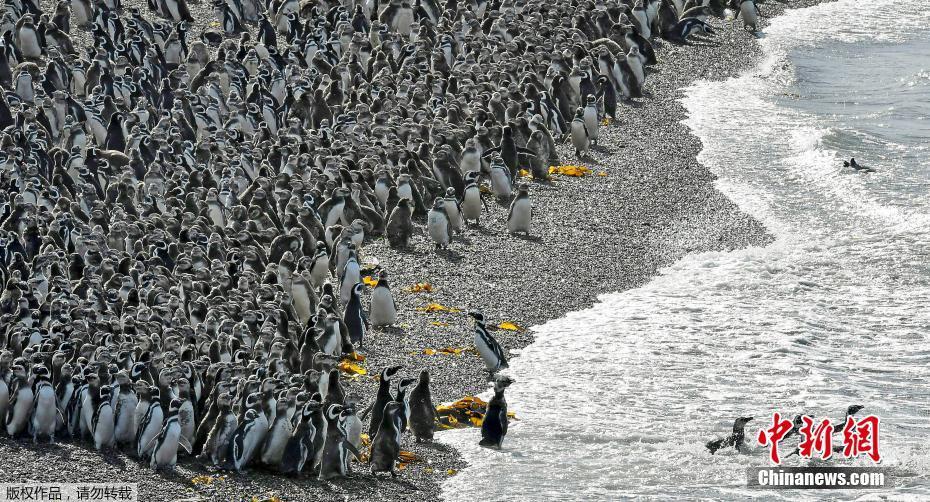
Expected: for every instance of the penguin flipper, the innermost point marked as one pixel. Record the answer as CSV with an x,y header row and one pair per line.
x,y
351,447
526,151
184,443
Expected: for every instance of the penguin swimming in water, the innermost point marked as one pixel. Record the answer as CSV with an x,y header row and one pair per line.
x,y
385,448
736,439
494,425
857,167
488,348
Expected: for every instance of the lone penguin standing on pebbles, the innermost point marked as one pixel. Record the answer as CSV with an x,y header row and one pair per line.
x,y
581,138
437,224
521,212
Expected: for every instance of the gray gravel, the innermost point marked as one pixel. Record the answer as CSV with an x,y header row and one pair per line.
x,y
592,235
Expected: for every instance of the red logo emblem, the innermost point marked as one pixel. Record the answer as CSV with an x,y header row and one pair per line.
x,y
860,437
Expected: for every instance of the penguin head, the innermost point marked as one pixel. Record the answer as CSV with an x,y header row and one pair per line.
x,y
852,410
477,316
501,382
740,423
388,373
358,289
40,371
334,411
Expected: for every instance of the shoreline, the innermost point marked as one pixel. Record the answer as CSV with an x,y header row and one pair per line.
x,y
655,204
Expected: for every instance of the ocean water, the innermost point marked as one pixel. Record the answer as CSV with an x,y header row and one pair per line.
x,y
617,401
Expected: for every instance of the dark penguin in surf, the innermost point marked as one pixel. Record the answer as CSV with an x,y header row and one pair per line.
x,y
736,439
494,425
851,163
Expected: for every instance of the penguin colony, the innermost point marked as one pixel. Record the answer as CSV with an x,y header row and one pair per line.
x,y
182,215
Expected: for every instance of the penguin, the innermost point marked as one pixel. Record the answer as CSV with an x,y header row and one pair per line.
x,y
422,420
520,214
20,407
382,309
686,27
336,447
330,340
472,201
736,439
591,119
278,435
319,266
102,425
165,444
27,38
385,448
354,316
641,20
382,397
494,425
247,440
186,417
581,138
150,425
403,397
124,406
215,447
488,348
501,181
304,440
509,151
400,225
350,276
857,167
437,224
45,406
749,11
353,425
